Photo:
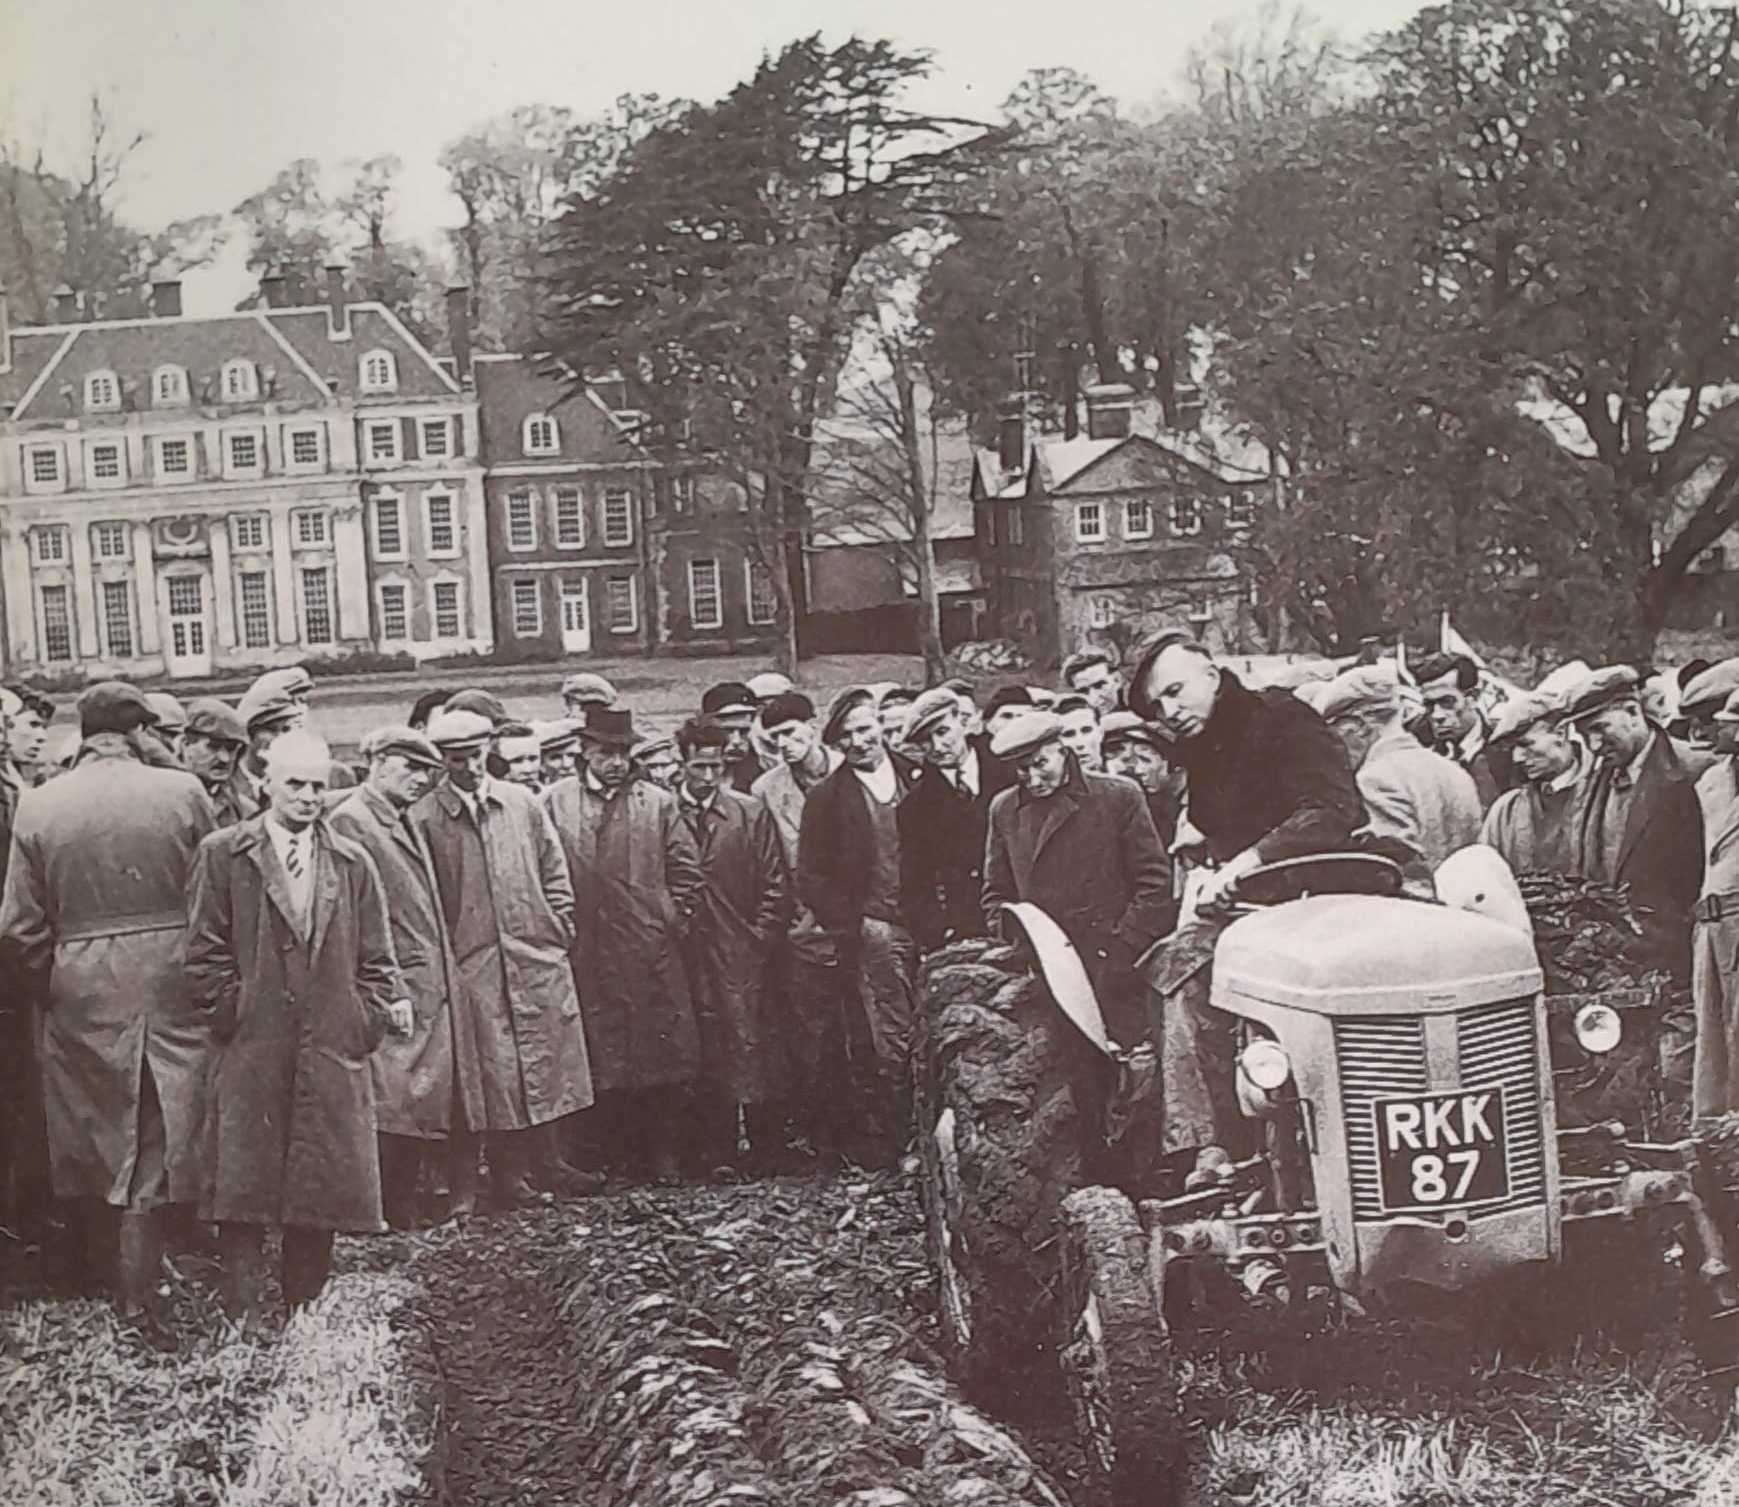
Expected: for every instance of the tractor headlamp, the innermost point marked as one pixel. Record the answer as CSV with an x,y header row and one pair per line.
x,y
1266,1065
1598,1028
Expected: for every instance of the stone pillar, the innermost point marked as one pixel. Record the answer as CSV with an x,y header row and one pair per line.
x,y
222,584
283,576
350,569
145,588
476,540
84,591
20,599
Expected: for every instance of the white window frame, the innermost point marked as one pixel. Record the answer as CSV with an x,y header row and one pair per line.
x,y
1240,508
239,472
33,483
1098,533
60,554
442,427
560,540
403,587
633,623
119,445
435,552
303,574
401,523
239,382
1101,611
169,387
102,531
755,619
1179,527
187,472
1130,531
294,431
716,619
530,430
107,623
393,452
377,371
298,534
528,496
71,615
243,546
264,577
515,587
458,608
626,495
102,392
682,493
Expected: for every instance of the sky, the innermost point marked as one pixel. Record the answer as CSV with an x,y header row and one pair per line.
x,y
229,91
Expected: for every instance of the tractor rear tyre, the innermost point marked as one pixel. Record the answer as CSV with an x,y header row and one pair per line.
x,y
1115,1356
1001,1079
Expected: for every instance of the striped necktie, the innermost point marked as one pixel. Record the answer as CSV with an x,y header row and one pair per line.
x,y
293,858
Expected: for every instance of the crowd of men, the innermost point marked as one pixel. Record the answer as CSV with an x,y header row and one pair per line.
x,y
250,987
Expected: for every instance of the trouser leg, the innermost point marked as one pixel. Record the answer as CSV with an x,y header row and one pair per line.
x,y
401,1159
510,1160
554,1172
887,958
242,1248
463,1173
139,1260
307,1264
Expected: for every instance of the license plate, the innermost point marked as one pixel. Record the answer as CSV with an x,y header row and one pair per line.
x,y
1437,1151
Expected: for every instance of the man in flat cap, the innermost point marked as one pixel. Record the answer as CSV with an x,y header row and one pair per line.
x,y
1641,826
290,952
1704,694
1536,827
91,921
1005,704
764,687
520,1063
558,742
1081,846
1415,799
168,718
213,741
1450,686
1134,750
585,689
1715,936
654,759
414,1103
634,869
848,874
733,707
267,715
943,821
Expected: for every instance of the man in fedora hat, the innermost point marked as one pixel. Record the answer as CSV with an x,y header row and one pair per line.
x,y
635,871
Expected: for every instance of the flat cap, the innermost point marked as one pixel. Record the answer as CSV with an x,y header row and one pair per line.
x,y
268,708
407,742
483,703
841,707
292,681
1520,713
1707,692
557,735
215,720
113,706
729,698
1125,727
1366,688
768,684
928,710
459,731
654,743
1601,689
167,710
1040,695
1008,695
1729,709
587,687
1026,734
609,724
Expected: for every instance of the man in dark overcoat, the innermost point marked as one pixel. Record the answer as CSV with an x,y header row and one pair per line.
x,y
634,870
93,917
520,1062
213,740
943,821
290,952
413,1074
740,911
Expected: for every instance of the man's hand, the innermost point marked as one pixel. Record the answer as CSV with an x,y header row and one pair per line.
x,y
1219,887
403,1016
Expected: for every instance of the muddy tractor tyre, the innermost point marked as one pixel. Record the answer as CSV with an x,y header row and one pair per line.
x,y
1000,1131
1115,1356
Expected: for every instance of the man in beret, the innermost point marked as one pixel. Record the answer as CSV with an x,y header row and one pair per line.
x,y
1090,674
213,741
635,870
92,917
1135,751
1450,685
1005,704
520,1063
848,873
1536,827
413,1074
808,984
585,689
1715,935
733,707
1641,826
1415,799
1081,847
943,821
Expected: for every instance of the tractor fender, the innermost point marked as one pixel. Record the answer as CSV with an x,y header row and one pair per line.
x,y
1064,972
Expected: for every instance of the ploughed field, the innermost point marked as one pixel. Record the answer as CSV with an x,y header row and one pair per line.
x,y
773,1342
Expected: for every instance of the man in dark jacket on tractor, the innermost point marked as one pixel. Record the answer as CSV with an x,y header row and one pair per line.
x,y
1268,779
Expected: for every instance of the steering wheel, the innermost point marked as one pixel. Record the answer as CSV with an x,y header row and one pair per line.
x,y
1319,874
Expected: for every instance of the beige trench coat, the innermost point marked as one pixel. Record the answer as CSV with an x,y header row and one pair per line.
x,y
1715,947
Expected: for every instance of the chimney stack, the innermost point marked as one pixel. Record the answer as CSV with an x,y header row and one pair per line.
x,y
1011,434
1188,405
337,316
65,305
459,331
1109,407
166,297
273,288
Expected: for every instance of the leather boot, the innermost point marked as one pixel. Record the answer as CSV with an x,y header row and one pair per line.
x,y
139,1259
307,1264
508,1167
400,1161
463,1174
243,1249
555,1174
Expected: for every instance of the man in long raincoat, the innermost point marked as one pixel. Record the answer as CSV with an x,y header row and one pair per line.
x,y
93,916
520,1060
635,871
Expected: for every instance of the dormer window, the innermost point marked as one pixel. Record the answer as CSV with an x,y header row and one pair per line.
x,y
169,386
541,437
380,372
241,382
102,392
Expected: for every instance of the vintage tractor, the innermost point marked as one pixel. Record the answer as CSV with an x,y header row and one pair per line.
x,y
1392,1059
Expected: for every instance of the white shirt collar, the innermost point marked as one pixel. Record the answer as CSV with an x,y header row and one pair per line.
x,y
883,783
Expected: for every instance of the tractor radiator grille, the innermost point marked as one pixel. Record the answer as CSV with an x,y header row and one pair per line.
x,y
1499,1048
1380,1056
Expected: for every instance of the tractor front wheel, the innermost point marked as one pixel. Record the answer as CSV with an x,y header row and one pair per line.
x,y
1115,1356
